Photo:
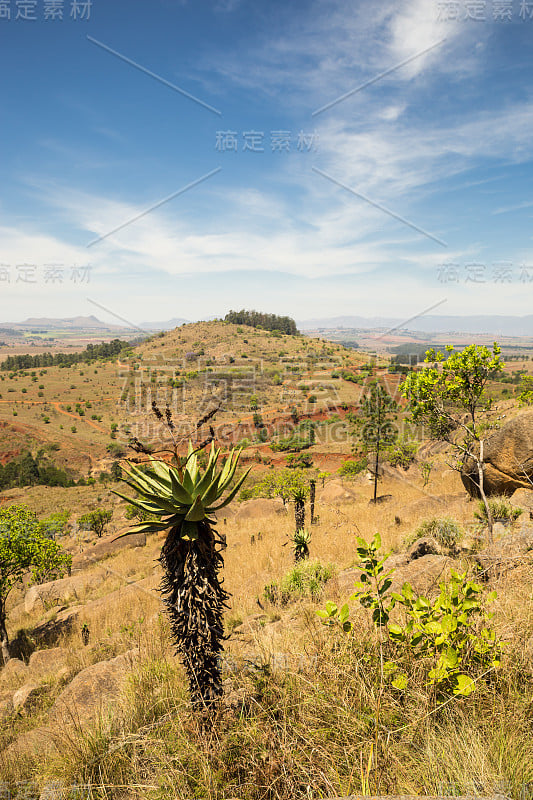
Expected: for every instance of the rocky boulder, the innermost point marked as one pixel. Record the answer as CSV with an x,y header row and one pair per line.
x,y
523,498
57,593
423,573
107,547
14,673
25,698
508,457
86,696
6,705
258,508
48,662
510,551
335,492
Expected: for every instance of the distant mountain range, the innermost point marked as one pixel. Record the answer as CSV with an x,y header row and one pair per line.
x,y
493,325
71,323
490,324
164,326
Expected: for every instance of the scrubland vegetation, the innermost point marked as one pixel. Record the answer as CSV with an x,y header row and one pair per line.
x,y
391,652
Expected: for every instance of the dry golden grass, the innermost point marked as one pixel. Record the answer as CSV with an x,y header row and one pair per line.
x,y
300,713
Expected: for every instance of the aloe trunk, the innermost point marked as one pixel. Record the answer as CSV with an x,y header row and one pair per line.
x,y
195,601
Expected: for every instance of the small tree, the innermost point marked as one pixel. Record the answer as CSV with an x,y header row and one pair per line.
x,y
25,547
96,521
449,395
374,425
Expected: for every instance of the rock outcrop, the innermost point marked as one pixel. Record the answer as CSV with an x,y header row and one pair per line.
x,y
87,695
44,596
508,458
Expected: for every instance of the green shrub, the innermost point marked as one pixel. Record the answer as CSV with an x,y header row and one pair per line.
x,y
448,639
445,530
299,460
96,520
402,454
501,511
352,467
306,580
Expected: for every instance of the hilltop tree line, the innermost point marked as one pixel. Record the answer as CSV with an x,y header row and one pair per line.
x,y
105,350
269,322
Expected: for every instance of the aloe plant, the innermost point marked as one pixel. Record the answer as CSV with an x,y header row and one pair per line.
x,y
183,500
300,544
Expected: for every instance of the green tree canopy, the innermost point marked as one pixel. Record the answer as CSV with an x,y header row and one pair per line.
x,y
25,547
449,397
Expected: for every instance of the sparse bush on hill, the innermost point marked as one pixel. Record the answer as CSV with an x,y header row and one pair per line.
x,y
96,521
401,453
105,350
305,580
353,467
277,483
302,437
25,547
27,470
501,511
446,531
299,460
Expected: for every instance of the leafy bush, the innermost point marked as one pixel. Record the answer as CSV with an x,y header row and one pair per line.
x,y
302,437
299,460
27,470
447,639
402,454
501,511
96,520
352,467
305,580
55,524
445,530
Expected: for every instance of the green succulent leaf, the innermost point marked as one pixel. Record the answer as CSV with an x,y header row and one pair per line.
x,y
196,512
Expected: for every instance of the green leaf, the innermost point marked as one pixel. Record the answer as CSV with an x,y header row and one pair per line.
x,y
196,512
233,492
344,613
463,685
450,658
395,630
400,682
179,491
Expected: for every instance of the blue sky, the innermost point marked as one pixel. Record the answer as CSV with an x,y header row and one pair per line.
x,y
381,204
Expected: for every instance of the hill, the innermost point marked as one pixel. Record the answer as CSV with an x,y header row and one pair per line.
x,y
94,693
